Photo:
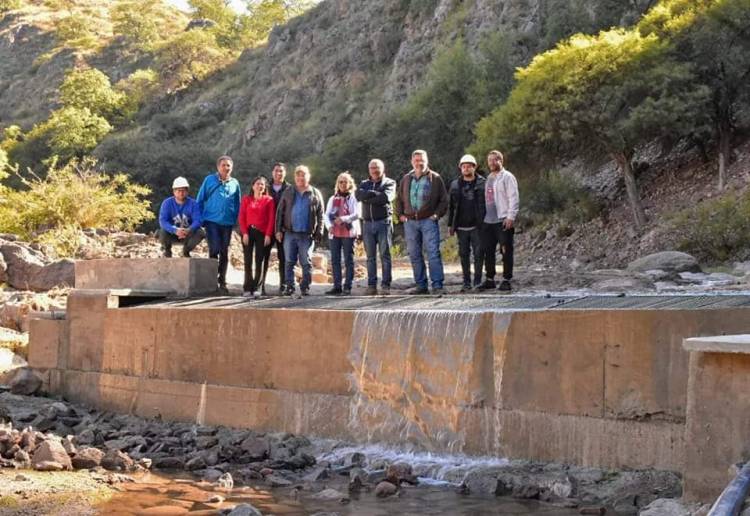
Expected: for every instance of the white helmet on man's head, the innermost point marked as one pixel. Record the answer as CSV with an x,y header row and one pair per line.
x,y
468,158
180,182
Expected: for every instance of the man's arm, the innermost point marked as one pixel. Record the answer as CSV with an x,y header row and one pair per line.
x,y
513,198
280,215
442,205
399,200
201,197
164,218
363,195
452,204
318,231
195,218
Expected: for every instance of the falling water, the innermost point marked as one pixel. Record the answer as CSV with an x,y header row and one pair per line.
x,y
413,377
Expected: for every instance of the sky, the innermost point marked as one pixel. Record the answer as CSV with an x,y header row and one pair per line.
x,y
182,4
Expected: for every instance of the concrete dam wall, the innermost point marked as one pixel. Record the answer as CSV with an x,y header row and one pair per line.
x,y
594,381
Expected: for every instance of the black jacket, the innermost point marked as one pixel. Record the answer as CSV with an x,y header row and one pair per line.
x,y
376,198
273,193
455,199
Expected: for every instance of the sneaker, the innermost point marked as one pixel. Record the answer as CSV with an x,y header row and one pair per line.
x,y
305,292
256,295
418,291
185,254
335,291
288,291
385,290
371,291
505,286
347,292
166,255
465,289
487,285
439,291
247,293
223,290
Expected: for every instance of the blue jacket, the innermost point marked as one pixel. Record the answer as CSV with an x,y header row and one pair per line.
x,y
219,202
185,215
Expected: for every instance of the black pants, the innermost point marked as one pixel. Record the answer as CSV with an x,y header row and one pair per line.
x,y
282,261
468,244
492,235
188,244
256,247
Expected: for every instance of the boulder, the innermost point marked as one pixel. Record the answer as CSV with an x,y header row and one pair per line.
x,y
115,460
331,495
668,261
87,458
400,472
256,448
25,382
384,489
48,453
245,509
666,507
25,270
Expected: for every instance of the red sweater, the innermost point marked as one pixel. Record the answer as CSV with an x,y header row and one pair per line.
x,y
260,213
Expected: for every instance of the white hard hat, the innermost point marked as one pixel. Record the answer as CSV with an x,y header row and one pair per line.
x,y
180,182
467,158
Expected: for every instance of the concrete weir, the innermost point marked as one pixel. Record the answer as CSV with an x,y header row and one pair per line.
x,y
594,381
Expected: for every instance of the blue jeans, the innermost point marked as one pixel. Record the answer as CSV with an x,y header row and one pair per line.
x,y
219,237
425,232
378,233
298,247
346,245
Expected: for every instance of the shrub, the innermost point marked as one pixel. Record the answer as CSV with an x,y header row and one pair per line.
x,y
554,197
717,230
10,5
75,31
71,132
90,89
188,57
71,198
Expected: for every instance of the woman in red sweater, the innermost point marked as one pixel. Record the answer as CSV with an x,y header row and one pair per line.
x,y
257,219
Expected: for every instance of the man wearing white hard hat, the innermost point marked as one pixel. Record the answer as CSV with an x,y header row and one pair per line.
x,y
180,220
466,210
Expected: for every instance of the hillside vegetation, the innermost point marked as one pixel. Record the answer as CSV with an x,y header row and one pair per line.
x,y
155,92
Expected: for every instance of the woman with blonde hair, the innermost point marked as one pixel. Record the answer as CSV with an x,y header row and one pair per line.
x,y
342,221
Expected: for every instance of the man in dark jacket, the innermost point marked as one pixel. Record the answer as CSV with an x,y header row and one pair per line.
x,y
421,201
278,186
376,195
299,223
465,215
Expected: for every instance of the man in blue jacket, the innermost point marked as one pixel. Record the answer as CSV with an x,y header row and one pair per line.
x,y
219,203
180,220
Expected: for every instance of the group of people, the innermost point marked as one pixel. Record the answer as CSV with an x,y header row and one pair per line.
x,y
293,218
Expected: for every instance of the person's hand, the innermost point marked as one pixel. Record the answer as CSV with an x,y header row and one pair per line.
x,y
246,239
451,232
267,241
508,224
338,221
402,218
434,217
181,233
280,236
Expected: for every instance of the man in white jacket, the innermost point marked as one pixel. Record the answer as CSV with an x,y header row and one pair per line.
x,y
501,199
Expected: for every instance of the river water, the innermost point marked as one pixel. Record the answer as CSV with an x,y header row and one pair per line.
x,y
162,494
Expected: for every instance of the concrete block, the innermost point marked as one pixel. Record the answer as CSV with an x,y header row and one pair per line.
x,y
719,344
86,311
178,276
718,421
45,336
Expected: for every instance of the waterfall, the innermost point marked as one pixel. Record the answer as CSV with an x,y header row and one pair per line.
x,y
415,375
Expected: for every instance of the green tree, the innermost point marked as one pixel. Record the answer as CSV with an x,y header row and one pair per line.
x,y
90,89
71,132
190,56
137,88
608,92
712,36
137,22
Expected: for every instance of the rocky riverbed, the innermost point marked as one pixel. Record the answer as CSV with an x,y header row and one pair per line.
x,y
101,462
